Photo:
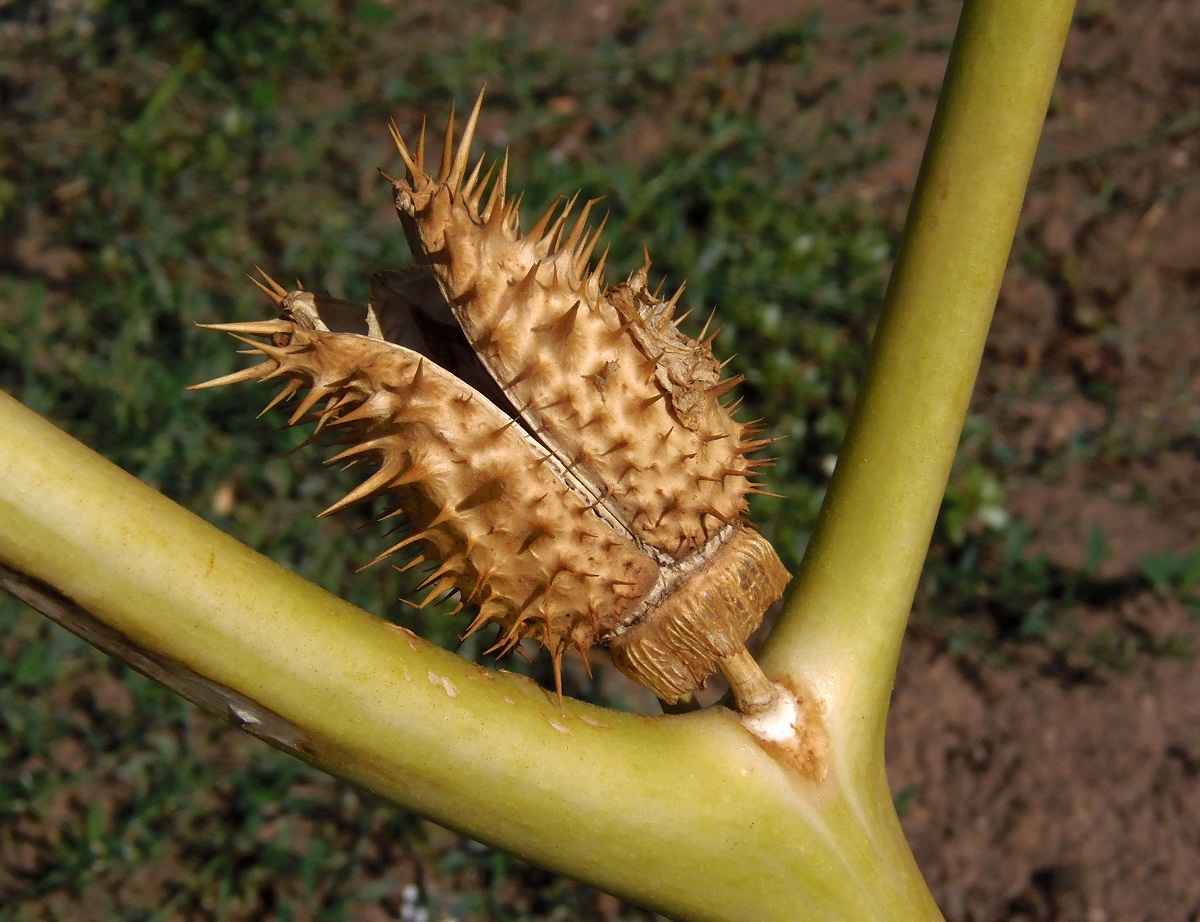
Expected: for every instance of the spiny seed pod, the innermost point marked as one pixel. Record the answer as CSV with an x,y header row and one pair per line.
x,y
558,449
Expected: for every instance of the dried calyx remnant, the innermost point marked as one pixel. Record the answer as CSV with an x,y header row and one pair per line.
x,y
577,477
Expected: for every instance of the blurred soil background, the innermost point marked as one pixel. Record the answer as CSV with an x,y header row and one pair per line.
x,y
1044,742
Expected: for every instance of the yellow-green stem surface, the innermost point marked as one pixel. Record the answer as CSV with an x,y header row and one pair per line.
x,y
686,814
844,617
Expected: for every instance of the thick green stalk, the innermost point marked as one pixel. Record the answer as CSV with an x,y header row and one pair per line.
x,y
844,619
685,814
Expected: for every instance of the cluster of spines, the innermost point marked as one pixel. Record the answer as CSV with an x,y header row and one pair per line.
x,y
502,528
602,377
625,471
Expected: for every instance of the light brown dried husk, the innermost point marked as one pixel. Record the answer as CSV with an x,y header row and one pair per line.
x,y
613,511
481,499
603,377
706,616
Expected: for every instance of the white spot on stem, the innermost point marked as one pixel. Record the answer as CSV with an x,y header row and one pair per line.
x,y
593,723
777,723
446,684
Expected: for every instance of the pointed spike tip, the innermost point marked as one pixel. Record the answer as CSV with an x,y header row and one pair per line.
x,y
409,163
246,374
272,289
459,167
447,148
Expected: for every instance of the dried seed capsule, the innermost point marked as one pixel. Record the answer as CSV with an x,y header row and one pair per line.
x,y
481,499
612,510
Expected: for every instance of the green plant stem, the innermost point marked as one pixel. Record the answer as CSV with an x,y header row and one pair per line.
x,y
844,618
686,814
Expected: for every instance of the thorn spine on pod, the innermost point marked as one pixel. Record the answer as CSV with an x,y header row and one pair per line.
x,y
447,151
468,186
555,229
496,197
589,244
577,230
538,231
289,390
253,373
477,194
410,162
